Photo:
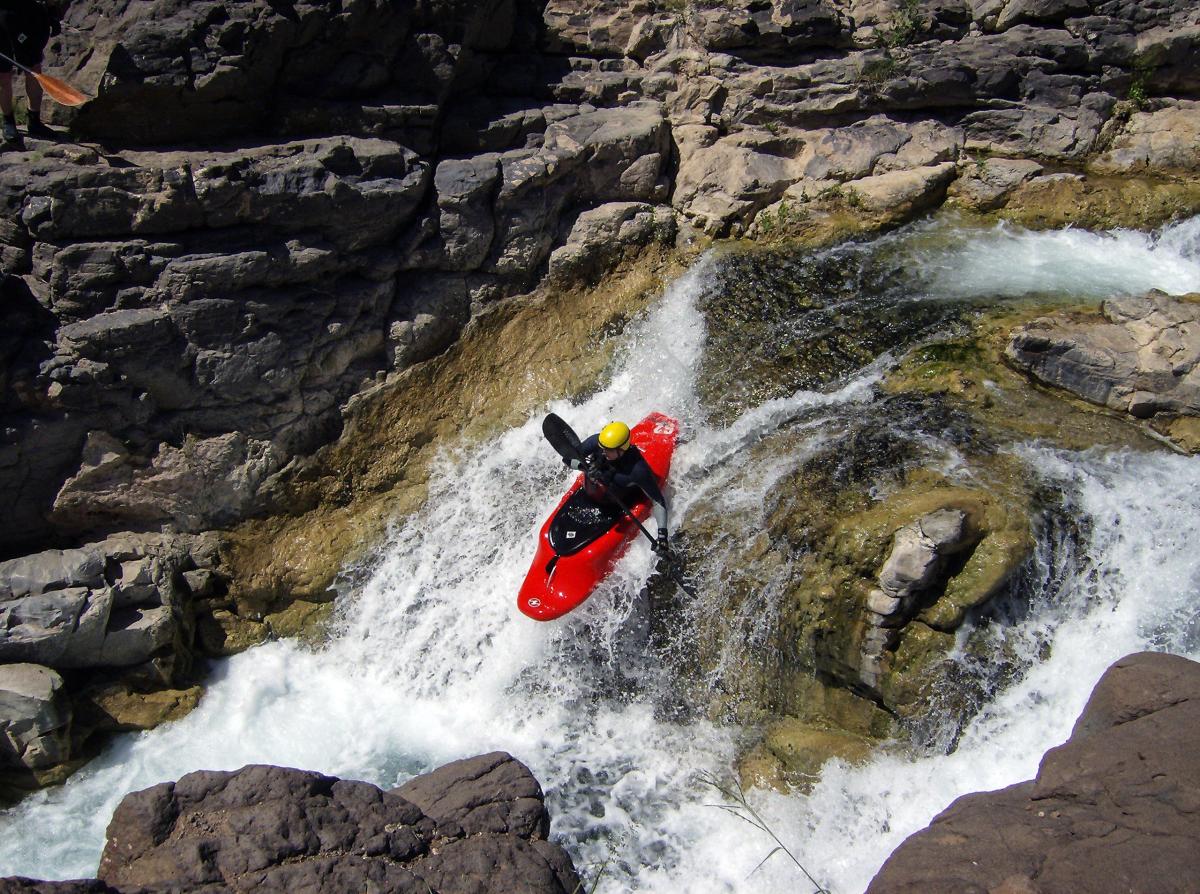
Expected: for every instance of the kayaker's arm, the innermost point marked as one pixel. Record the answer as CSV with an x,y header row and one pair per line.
x,y
643,477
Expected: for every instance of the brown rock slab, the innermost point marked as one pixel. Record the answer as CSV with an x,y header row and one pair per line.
x,y
1113,809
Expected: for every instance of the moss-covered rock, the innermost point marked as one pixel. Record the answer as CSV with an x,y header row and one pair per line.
x,y
792,754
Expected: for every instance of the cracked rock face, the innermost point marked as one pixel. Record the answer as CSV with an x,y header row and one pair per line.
x,y
35,718
916,562
1139,356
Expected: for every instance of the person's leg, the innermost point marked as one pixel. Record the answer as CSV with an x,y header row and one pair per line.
x,y
33,93
6,94
6,107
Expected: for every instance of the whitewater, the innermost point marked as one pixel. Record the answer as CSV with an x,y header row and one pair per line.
x,y
429,660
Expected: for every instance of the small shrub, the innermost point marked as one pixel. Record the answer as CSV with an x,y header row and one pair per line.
x,y
877,72
906,26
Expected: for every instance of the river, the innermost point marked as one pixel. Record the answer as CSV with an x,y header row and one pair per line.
x,y
430,661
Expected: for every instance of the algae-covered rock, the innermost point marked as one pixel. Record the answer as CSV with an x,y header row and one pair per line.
x,y
120,707
792,754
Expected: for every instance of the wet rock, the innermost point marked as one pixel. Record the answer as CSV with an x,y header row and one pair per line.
x,y
35,717
1111,810
277,829
1138,356
792,754
917,561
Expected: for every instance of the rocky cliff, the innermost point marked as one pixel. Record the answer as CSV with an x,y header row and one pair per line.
x,y
243,263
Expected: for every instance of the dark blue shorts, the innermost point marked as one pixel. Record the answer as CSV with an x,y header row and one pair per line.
x,y
24,34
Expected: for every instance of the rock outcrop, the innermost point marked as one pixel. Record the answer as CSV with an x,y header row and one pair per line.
x,y
476,825
1111,810
1138,356
117,617
359,180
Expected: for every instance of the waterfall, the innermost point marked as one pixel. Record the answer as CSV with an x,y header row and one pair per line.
x,y
430,661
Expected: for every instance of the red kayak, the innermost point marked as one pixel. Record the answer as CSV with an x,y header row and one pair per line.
x,y
581,541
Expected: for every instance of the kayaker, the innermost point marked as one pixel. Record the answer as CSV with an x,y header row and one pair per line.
x,y
615,467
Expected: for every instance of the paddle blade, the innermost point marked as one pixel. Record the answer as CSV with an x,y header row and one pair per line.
x,y
60,91
561,437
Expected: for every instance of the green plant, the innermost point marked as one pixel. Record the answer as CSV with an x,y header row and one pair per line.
x,y
783,217
906,26
1138,95
877,72
744,810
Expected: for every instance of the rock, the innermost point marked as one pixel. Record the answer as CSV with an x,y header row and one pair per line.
x,y
117,603
35,717
278,829
1162,141
32,886
601,234
903,194
986,183
1111,810
801,750
1138,356
729,181
492,794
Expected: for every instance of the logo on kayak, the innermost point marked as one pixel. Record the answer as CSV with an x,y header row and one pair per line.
x,y
570,535
534,602
664,428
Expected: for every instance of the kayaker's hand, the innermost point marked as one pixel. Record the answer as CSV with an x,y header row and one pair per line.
x,y
574,464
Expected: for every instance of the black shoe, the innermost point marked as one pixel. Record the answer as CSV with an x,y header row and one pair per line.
x,y
11,137
37,129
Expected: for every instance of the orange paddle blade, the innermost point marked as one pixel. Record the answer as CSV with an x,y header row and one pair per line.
x,y
60,91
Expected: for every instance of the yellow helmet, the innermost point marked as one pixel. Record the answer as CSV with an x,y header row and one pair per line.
x,y
614,436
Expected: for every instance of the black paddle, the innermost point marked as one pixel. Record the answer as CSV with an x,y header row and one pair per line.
x,y
567,444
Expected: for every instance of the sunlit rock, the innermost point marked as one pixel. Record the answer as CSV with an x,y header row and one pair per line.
x,y
35,717
1138,355
1111,810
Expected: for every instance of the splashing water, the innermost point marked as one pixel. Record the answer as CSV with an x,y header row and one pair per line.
x,y
430,661
1011,262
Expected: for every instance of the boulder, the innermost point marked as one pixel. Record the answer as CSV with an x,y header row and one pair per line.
x,y
1164,140
120,603
599,236
266,828
983,185
35,717
492,794
1111,810
1137,356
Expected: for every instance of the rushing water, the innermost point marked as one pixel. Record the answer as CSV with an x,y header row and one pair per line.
x,y
432,662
